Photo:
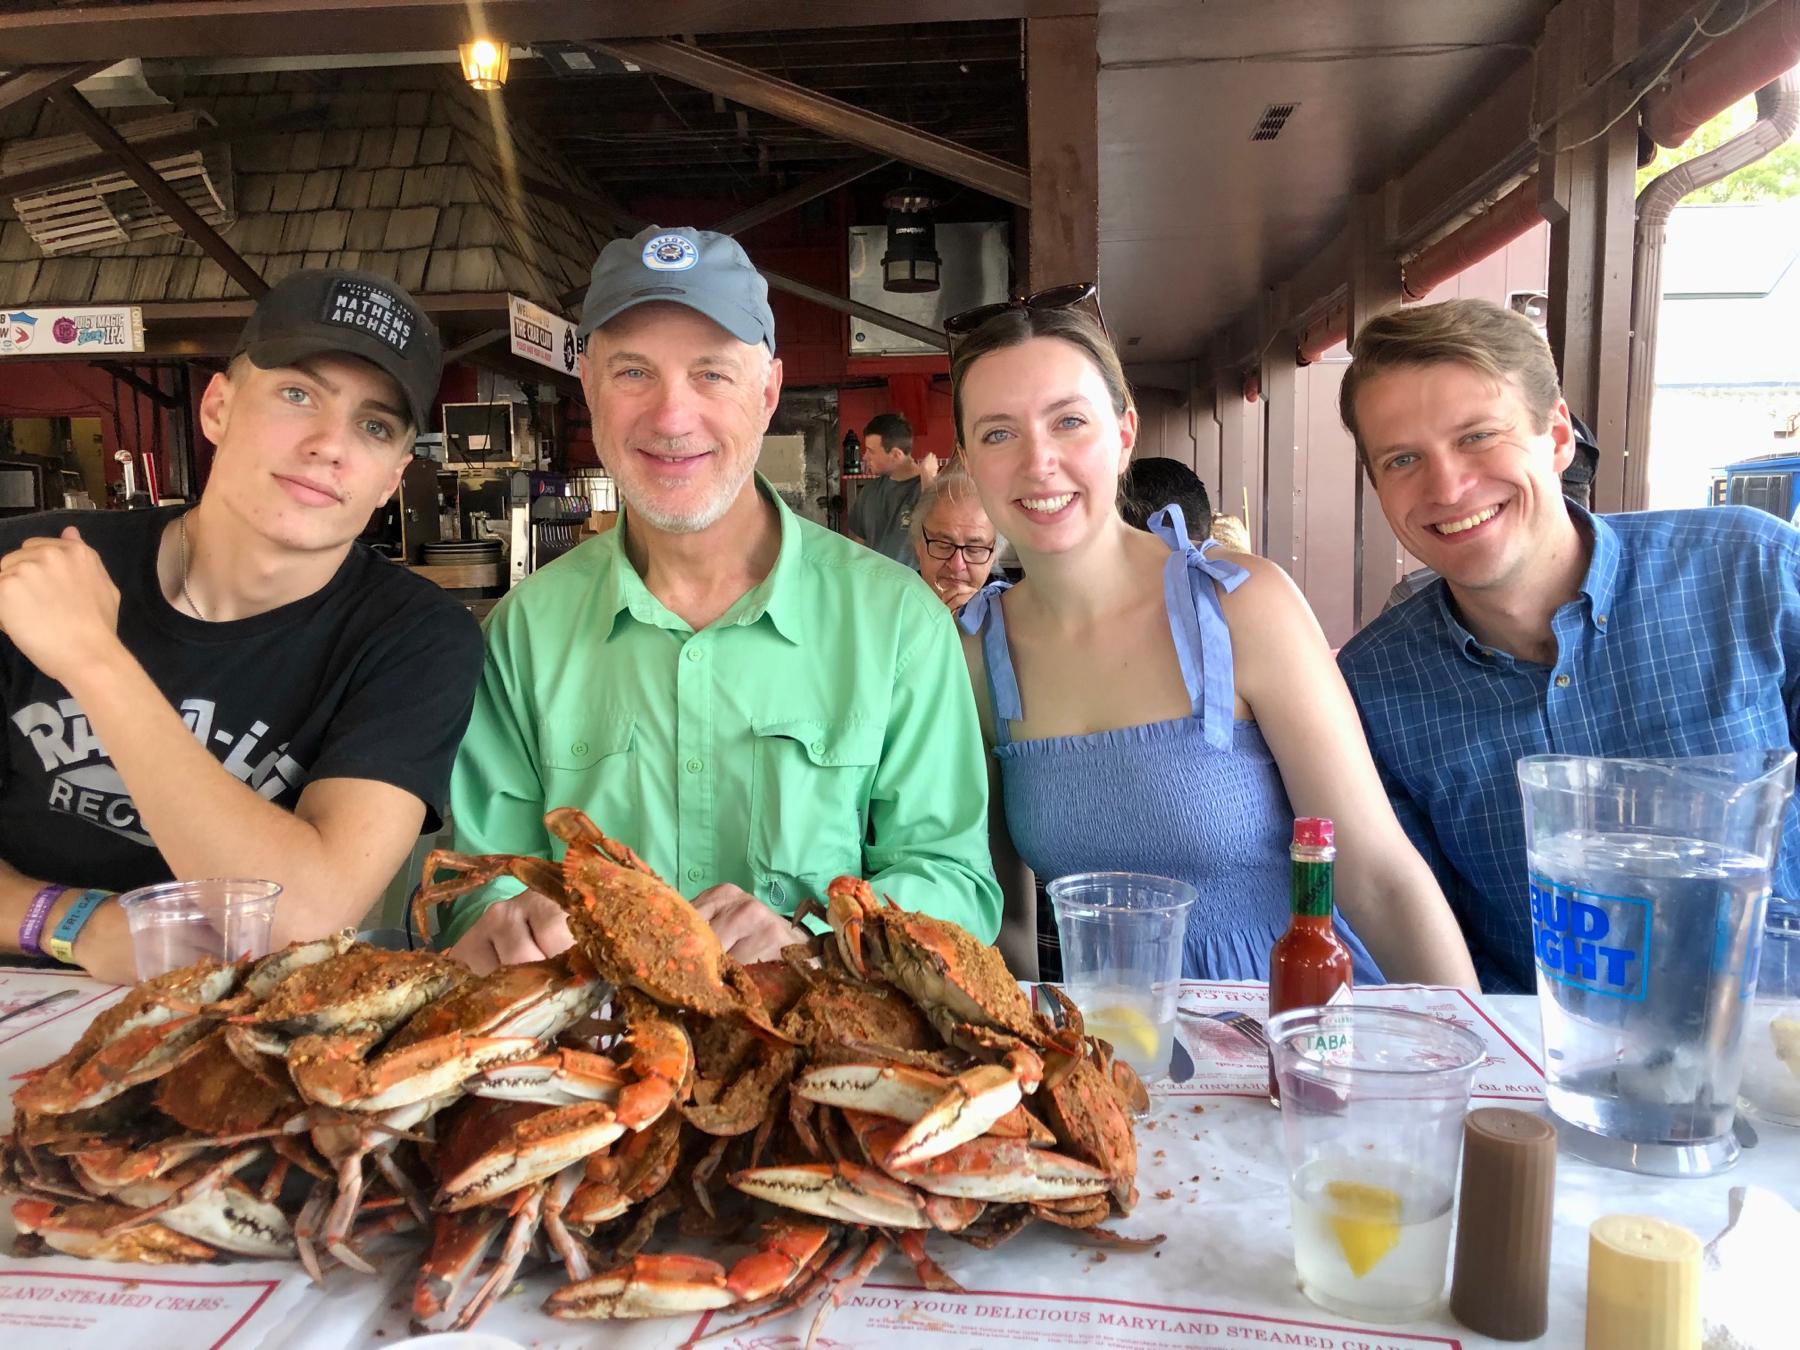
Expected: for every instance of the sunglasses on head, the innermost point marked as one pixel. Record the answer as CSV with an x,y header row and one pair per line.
x,y
1066,296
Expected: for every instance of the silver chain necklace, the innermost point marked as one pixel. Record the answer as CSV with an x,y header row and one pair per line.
x,y
187,595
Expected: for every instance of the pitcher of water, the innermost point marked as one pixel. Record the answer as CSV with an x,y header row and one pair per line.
x,y
1648,879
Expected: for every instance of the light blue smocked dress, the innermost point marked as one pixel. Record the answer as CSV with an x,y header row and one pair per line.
x,y
1198,798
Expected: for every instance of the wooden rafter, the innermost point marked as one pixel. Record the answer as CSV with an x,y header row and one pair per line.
x,y
157,188
35,82
833,117
802,192
178,28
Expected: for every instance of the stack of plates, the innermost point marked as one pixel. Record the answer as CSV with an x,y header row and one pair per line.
x,y
460,552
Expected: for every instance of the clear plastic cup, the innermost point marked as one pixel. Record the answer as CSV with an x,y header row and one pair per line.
x,y
1770,1087
1372,1107
1121,938
176,923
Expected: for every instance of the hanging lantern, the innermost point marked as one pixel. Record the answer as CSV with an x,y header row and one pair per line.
x,y
911,262
484,63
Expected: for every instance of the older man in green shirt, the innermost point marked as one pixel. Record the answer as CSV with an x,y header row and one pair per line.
x,y
753,703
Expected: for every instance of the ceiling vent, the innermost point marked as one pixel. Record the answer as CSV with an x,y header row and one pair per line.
x,y
109,208
1274,118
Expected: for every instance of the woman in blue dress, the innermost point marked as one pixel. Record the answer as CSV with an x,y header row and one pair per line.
x,y
1158,707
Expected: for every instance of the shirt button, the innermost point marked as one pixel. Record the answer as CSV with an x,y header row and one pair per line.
x,y
1562,681
1600,619
818,747
695,765
694,653
777,892
579,748
694,874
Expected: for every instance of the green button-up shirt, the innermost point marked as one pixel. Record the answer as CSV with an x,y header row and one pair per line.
x,y
824,725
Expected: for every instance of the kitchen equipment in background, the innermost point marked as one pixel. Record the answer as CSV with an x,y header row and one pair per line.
x,y
547,516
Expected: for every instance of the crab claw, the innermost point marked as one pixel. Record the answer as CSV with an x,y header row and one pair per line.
x,y
972,1102
563,1077
533,1150
844,1191
1008,1171
645,1286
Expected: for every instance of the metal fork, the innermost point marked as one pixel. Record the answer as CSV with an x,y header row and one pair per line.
x,y
1243,1023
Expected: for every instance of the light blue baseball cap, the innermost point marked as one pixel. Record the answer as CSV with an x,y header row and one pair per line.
x,y
709,273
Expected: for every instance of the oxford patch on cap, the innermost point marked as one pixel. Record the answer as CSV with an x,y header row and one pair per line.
x,y
670,253
372,310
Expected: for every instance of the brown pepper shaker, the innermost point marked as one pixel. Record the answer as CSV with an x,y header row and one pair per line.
x,y
1501,1286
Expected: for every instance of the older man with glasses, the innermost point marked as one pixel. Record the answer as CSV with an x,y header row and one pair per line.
x,y
953,538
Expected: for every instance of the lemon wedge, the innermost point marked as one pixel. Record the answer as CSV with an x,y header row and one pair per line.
x,y
1366,1220
1786,1031
1126,1027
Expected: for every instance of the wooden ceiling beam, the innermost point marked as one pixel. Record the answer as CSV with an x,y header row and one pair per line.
x,y
178,28
833,117
156,187
809,189
36,82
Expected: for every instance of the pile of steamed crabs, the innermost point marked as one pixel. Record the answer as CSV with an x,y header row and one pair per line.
x,y
884,1081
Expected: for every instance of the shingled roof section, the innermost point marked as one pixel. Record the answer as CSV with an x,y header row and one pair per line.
x,y
407,179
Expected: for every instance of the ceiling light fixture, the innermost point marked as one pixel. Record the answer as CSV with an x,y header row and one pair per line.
x,y
484,63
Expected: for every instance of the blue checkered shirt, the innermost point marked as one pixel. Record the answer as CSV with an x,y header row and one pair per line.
x,y
1684,640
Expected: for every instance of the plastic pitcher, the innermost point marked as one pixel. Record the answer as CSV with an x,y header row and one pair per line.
x,y
1648,879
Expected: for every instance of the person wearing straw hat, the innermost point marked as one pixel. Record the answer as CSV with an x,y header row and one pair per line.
x,y
237,689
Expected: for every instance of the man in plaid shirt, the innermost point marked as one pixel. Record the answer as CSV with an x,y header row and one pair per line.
x,y
1549,630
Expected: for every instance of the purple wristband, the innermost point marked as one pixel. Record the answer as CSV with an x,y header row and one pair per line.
x,y
33,926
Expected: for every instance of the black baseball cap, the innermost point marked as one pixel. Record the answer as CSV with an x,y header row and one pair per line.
x,y
332,309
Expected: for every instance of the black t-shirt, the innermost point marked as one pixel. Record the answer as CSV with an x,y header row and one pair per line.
x,y
372,676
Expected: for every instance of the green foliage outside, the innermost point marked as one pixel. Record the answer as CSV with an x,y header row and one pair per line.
x,y
1774,178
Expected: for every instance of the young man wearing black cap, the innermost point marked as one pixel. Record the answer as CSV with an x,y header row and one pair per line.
x,y
239,689
753,703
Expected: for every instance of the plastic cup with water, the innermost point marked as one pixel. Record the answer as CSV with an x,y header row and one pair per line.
x,y
1647,881
1121,936
1372,1107
1770,1087
177,923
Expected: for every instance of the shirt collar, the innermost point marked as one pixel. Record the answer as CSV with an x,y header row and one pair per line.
x,y
1597,586
622,590
1603,567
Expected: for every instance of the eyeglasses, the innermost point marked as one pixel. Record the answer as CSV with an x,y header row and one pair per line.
x,y
944,549
1066,296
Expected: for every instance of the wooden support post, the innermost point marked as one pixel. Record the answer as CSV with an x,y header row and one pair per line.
x,y
1587,192
1281,514
1240,485
1374,287
1062,80
156,187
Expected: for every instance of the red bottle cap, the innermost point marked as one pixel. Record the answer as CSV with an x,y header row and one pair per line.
x,y
1313,832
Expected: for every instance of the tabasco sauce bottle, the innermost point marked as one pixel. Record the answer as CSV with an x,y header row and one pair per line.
x,y
1309,963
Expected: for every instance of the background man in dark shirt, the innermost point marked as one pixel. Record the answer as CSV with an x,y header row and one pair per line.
x,y
240,689
881,514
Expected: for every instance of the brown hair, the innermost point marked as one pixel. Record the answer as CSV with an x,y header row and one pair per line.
x,y
1017,326
1500,343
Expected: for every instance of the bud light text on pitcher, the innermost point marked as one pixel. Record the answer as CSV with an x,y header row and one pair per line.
x,y
1592,941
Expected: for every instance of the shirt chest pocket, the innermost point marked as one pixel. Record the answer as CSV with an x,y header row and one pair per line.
x,y
591,762
809,804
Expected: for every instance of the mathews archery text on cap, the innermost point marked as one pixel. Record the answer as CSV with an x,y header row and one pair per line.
x,y
319,310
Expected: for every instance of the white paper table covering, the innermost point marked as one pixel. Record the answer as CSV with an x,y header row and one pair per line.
x,y
1210,1173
